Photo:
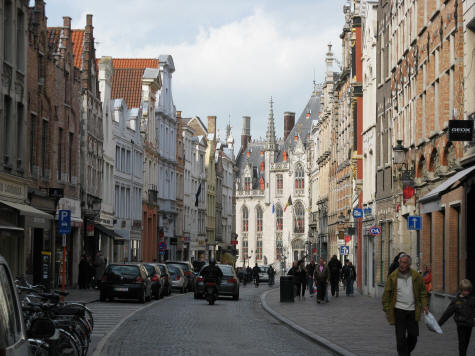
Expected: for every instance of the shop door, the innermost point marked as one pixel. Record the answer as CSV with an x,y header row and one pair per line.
x,y
37,257
470,235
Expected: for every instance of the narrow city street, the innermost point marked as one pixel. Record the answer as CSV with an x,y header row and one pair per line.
x,y
181,325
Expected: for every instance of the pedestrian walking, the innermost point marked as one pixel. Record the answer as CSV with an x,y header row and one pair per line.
x,y
310,271
395,263
321,279
463,309
100,266
349,277
83,278
334,267
298,273
403,300
427,277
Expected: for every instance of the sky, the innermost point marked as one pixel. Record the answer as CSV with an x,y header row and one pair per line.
x,y
230,56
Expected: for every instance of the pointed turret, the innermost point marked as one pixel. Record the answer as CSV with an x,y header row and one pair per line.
x,y
270,135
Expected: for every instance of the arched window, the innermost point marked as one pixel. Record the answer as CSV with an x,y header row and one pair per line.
x,y
259,219
247,183
261,184
244,248
279,183
279,218
299,218
245,219
299,179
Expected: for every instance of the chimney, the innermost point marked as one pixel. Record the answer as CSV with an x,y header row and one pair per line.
x,y
178,114
289,122
212,125
246,132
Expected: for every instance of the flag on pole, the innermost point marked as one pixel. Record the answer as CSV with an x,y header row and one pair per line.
x,y
197,195
289,202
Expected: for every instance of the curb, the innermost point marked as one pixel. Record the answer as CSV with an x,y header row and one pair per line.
x,y
102,342
335,349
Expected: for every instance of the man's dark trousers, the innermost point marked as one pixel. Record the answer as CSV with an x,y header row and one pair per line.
x,y
407,331
321,288
335,288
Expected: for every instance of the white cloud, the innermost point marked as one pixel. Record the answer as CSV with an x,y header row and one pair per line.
x,y
227,67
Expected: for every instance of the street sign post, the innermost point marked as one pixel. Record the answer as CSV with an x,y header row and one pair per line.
x,y
357,213
344,250
414,222
375,230
163,246
64,228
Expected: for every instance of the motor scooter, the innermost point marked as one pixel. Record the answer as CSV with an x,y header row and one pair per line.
x,y
211,292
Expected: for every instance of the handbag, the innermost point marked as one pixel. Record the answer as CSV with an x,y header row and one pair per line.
x,y
432,323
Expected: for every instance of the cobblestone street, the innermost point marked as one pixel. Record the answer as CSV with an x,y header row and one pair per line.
x,y
184,326
358,324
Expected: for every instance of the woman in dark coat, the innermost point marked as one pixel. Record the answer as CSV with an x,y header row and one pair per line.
x,y
83,278
298,272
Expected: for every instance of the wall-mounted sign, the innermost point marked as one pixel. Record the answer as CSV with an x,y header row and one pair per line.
x,y
357,213
460,130
414,222
374,230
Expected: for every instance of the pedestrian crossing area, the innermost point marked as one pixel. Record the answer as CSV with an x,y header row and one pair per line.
x,y
108,315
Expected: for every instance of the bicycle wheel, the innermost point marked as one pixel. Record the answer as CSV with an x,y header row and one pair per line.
x,y
38,347
68,344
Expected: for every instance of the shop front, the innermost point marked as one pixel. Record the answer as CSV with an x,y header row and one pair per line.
x,y
25,232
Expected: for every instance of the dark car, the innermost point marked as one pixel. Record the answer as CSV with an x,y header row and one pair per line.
x,y
187,270
12,329
155,276
229,285
129,281
165,275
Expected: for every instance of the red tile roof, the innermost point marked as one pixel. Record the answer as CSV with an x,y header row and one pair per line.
x,y
53,37
78,42
127,78
135,63
127,84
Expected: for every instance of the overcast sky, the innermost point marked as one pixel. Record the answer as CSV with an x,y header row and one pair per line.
x,y
230,55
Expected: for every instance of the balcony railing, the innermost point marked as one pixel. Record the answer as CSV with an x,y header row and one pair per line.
x,y
254,193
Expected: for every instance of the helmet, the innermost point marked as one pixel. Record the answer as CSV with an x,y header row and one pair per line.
x,y
212,261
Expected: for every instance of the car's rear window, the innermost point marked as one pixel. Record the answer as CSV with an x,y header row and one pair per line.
x,y
264,269
227,270
162,268
183,266
131,271
150,269
173,270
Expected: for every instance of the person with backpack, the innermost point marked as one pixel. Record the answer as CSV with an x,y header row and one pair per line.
x,y
334,267
349,276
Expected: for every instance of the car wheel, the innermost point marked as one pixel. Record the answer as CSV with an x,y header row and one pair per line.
x,y
182,290
236,296
195,296
142,296
111,299
102,297
157,295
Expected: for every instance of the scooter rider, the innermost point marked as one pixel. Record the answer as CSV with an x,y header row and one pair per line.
x,y
212,273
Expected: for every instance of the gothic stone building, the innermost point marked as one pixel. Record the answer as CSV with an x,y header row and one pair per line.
x,y
272,199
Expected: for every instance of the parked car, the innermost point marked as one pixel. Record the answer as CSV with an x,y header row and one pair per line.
x,y
229,285
155,277
166,280
12,328
177,277
188,270
130,281
263,276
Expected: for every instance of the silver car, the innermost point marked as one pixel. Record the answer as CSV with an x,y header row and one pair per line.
x,y
177,276
12,329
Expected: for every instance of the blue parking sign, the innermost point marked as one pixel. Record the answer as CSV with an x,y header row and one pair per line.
x,y
357,213
414,222
64,221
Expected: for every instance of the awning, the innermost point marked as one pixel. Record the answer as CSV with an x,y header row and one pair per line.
x,y
28,210
431,201
105,230
11,227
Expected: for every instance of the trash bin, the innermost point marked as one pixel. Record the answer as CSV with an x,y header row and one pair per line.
x,y
286,289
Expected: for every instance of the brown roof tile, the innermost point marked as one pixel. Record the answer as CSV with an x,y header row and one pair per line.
x,y
78,42
53,37
127,84
135,63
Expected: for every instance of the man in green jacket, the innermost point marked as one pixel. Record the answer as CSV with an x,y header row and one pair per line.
x,y
403,299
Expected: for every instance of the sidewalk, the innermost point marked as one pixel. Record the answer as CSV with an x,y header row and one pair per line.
x,y
359,325
82,295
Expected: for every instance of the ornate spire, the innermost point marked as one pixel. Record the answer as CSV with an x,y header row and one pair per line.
x,y
270,135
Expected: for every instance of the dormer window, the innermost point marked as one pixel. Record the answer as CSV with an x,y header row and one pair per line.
x,y
247,183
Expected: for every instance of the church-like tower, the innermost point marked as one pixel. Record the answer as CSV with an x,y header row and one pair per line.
x,y
270,150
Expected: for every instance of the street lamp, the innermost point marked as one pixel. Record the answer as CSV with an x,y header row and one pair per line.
x,y
400,162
